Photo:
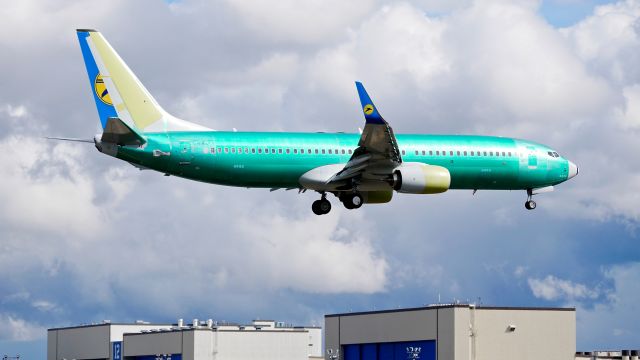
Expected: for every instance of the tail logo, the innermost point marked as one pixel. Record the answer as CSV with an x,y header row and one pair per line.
x,y
368,109
101,90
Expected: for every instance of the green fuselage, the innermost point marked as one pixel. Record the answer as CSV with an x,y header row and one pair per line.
x,y
278,160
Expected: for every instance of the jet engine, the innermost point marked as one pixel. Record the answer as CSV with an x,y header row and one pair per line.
x,y
377,197
419,178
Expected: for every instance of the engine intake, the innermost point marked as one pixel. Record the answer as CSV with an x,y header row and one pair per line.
x,y
419,178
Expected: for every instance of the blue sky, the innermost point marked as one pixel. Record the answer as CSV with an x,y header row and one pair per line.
x,y
84,237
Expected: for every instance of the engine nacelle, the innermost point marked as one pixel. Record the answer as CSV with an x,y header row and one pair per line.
x,y
377,197
419,178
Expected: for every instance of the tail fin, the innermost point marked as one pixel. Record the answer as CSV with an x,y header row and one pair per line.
x,y
119,93
371,114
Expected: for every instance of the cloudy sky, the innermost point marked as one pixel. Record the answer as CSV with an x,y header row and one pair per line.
x,y
84,237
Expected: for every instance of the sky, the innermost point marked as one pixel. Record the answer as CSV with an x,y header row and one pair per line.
x,y
85,237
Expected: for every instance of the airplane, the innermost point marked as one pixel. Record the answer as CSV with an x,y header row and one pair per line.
x,y
364,168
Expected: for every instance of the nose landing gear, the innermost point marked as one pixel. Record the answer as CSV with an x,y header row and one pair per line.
x,y
530,204
322,206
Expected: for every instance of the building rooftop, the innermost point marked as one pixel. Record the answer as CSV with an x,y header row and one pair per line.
x,y
448,306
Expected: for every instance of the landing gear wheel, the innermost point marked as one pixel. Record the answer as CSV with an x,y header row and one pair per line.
x,y
352,201
530,204
321,207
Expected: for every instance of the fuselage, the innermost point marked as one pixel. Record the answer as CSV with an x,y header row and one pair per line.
x,y
278,160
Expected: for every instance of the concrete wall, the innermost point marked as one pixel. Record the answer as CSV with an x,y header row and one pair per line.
x,y
539,334
267,345
91,342
155,343
315,342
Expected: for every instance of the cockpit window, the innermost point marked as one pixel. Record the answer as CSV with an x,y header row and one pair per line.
x,y
556,154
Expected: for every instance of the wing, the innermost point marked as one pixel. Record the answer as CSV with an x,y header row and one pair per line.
x,y
377,153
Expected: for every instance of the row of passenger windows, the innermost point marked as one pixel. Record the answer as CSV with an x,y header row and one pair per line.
x,y
247,150
279,151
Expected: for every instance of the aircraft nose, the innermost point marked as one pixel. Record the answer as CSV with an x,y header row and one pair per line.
x,y
573,170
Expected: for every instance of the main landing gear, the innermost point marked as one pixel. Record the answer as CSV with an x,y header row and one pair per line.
x,y
352,200
530,204
322,206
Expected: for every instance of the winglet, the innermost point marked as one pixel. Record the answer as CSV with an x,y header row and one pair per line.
x,y
371,114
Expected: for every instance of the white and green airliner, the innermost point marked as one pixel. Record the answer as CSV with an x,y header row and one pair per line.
x,y
364,168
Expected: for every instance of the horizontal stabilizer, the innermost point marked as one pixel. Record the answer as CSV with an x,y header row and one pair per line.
x,y
70,139
118,132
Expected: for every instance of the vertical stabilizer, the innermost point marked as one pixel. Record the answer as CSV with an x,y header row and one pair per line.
x,y
117,90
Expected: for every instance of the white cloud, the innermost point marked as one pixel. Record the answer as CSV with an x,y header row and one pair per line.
x,y
552,288
313,256
17,329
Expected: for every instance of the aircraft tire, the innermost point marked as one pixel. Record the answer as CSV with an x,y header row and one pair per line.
x,y
315,207
324,206
530,205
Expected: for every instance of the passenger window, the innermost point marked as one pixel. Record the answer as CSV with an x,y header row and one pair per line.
x,y
233,150
295,151
279,151
458,153
246,150
402,152
323,151
465,153
350,151
430,152
226,150
329,151
437,152
288,151
490,153
253,150
451,153
213,150
416,152
316,151
424,153
336,151
472,153
343,151
509,153
485,153
259,150
239,150
266,150
219,150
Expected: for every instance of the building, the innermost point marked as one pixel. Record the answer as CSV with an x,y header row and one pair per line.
x,y
262,339
452,332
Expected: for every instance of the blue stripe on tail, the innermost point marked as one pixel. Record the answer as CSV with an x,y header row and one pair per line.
x,y
101,95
